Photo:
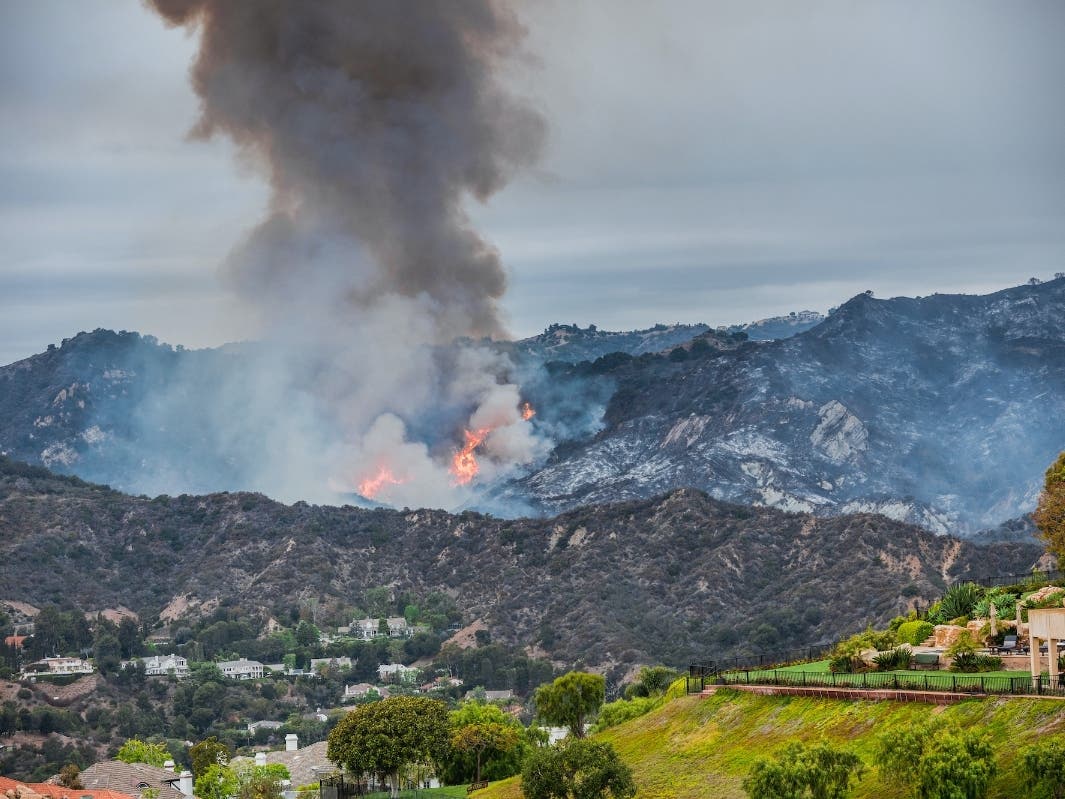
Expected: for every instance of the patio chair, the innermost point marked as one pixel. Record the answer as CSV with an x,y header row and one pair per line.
x,y
1009,644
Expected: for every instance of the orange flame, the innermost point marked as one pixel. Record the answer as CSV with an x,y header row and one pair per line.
x,y
371,486
464,465
527,411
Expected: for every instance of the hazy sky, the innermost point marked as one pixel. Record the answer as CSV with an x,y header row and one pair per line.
x,y
708,161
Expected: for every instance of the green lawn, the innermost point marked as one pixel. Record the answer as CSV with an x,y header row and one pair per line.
x,y
817,673
450,792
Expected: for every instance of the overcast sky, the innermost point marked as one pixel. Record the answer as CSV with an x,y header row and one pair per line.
x,y
708,161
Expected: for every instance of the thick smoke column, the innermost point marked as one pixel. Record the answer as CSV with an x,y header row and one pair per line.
x,y
374,121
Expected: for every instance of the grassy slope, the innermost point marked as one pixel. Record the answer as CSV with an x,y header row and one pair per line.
x,y
695,747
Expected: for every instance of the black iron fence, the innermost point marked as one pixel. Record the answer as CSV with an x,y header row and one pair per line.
x,y
1037,578
946,682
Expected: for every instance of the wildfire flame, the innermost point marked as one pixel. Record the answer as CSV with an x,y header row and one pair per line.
x,y
371,486
464,465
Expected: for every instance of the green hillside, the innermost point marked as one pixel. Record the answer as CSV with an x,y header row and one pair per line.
x,y
703,747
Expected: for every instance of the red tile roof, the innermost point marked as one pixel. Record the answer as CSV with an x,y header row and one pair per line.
x,y
60,792
15,641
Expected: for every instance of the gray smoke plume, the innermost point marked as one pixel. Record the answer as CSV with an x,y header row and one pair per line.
x,y
374,122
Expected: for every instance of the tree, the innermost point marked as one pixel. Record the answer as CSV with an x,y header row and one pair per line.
x,y
937,761
70,777
571,700
208,752
818,772
260,782
1044,769
576,769
1049,514
483,738
137,751
307,634
461,764
390,736
216,781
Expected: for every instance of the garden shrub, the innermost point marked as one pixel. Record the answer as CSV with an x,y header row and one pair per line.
x,y
960,600
1004,603
914,632
613,713
894,659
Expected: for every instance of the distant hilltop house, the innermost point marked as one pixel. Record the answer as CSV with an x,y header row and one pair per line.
x,y
491,696
15,641
242,669
163,665
255,726
441,684
367,629
60,665
397,672
361,690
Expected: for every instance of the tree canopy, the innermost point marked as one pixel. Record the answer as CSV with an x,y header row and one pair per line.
x,y
485,738
576,769
137,751
571,700
496,763
938,761
1049,514
390,736
1044,769
818,772
206,753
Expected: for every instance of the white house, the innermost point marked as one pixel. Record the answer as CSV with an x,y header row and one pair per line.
x,y
242,669
61,665
163,665
367,629
397,672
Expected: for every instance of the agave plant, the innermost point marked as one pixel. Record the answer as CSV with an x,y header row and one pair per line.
x,y
960,600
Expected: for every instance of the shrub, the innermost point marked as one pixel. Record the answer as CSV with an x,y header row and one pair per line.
x,y
614,713
960,600
1003,601
914,632
893,659
960,621
844,664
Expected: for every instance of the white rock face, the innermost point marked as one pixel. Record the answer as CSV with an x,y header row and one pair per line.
x,y
840,435
59,454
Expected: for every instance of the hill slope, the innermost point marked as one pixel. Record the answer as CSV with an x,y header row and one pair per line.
x,y
695,748
672,578
943,411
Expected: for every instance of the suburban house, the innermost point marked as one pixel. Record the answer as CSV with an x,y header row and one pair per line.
x,y
164,665
397,672
255,726
363,689
61,665
242,669
136,778
367,629
491,696
441,684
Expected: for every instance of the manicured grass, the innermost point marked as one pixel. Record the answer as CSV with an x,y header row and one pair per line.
x,y
450,792
701,748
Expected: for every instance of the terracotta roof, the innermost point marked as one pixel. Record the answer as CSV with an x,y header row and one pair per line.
x,y
60,792
15,640
10,787
129,778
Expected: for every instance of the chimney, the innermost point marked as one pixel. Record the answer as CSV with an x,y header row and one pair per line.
x,y
169,765
185,782
291,744
260,758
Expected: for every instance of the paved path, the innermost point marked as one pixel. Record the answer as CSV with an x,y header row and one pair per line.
x,y
866,694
